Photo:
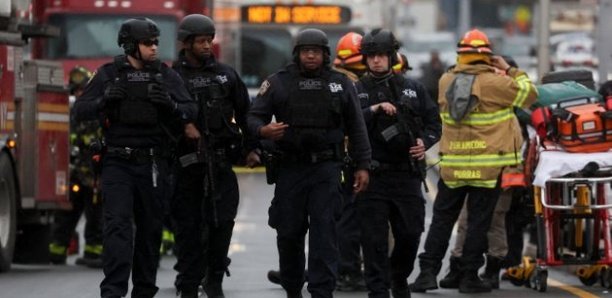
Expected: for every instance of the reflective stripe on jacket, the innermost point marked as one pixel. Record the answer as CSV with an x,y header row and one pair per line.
x,y
474,150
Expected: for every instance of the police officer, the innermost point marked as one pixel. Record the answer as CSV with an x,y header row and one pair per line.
x,y
389,101
143,104
203,227
84,194
315,108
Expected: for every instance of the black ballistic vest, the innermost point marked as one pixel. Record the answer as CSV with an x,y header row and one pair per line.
x,y
314,113
400,143
137,109
215,105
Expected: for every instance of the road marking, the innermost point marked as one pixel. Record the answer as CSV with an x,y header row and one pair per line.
x,y
576,291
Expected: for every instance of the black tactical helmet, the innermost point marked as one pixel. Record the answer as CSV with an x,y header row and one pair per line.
x,y
195,24
134,30
311,37
379,41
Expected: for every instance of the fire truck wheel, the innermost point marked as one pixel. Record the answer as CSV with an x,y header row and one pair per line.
x,y
582,76
8,212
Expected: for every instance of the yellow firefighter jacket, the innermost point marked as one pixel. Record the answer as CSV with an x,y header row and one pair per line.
x,y
474,150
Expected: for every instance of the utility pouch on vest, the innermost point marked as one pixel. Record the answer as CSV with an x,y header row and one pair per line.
x,y
190,159
272,164
137,112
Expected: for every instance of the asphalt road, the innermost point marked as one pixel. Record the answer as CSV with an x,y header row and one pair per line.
x,y
253,253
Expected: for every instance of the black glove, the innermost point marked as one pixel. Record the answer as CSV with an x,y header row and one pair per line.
x,y
160,97
113,93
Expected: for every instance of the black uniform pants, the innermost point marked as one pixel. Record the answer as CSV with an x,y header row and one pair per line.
x,y
447,206
130,198
307,197
349,232
517,218
66,221
199,244
392,198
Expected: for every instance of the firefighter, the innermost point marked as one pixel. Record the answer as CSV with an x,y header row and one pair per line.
x,y
348,56
402,66
203,227
315,108
142,105
480,137
391,102
497,238
350,276
84,194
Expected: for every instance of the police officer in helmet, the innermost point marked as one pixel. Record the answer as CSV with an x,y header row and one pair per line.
x,y
402,123
315,108
207,197
142,105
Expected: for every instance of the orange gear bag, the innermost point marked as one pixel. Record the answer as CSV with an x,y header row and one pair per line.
x,y
584,128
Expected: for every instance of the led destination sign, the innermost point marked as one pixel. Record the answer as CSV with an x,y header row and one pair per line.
x,y
295,14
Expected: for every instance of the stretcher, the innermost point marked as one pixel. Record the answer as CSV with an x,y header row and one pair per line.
x,y
572,197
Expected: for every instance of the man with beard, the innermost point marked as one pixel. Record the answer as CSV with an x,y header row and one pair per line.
x,y
207,198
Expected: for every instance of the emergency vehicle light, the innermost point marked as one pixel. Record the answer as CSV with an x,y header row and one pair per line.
x,y
11,144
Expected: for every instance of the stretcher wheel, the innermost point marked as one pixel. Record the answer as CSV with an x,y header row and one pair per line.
x,y
606,278
538,280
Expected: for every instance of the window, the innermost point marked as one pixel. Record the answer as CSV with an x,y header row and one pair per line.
x,y
264,52
95,36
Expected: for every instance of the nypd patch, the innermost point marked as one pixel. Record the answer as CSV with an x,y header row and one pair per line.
x,y
335,87
263,88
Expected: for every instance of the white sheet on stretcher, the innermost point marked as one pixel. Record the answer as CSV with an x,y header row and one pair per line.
x,y
559,163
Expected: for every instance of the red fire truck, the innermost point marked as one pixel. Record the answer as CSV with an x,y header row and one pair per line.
x,y
88,28
34,124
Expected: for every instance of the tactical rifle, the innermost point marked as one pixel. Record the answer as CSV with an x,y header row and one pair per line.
x,y
409,123
205,153
207,142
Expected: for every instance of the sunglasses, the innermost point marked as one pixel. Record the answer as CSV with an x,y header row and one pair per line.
x,y
150,42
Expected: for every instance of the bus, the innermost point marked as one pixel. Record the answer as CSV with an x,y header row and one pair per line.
x,y
257,38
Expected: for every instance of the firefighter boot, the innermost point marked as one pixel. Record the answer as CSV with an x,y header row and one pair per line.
x,y
92,257
212,284
424,282
492,269
471,283
453,277
57,254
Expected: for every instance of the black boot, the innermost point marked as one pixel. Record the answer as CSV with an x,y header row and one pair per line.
x,y
212,284
452,279
351,283
274,276
424,282
492,269
294,293
471,283
400,289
